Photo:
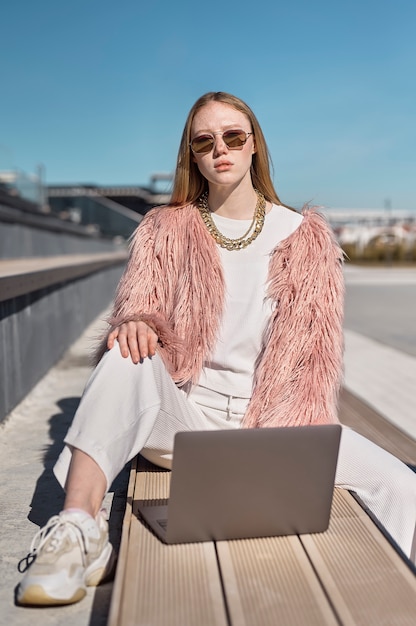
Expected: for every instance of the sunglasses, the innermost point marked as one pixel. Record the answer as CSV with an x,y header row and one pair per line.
x,y
233,139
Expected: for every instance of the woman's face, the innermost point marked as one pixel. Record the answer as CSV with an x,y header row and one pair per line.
x,y
222,165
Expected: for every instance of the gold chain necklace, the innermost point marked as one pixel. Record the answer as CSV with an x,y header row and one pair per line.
x,y
255,228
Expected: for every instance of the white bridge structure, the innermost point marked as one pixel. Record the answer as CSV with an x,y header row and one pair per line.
x,y
369,217
361,227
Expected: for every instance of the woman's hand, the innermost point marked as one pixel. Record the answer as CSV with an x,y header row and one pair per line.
x,y
135,339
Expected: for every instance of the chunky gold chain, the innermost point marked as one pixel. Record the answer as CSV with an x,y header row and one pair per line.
x,y
254,230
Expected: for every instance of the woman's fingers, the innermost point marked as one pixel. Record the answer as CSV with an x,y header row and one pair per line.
x,y
127,341
111,338
135,339
153,339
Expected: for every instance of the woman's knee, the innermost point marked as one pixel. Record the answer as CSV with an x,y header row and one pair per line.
x,y
361,462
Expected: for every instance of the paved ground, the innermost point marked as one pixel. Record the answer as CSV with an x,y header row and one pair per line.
x,y
378,369
381,304
30,441
380,341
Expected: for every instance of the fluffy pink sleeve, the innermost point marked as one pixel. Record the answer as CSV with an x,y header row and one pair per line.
x,y
142,292
299,371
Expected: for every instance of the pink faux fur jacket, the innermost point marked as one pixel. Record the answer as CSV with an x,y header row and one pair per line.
x,y
174,282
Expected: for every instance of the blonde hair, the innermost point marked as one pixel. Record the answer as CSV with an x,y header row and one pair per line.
x,y
189,184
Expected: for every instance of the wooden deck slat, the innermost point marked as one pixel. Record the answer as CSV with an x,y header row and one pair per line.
x,y
119,589
368,582
270,581
175,585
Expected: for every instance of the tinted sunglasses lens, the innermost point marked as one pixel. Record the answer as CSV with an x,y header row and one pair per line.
x,y
203,144
234,138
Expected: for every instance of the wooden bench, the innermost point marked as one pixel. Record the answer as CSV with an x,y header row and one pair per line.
x,y
349,574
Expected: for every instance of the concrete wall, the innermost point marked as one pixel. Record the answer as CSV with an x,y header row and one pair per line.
x,y
37,328
19,240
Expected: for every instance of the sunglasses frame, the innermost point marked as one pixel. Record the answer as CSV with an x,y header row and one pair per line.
x,y
222,133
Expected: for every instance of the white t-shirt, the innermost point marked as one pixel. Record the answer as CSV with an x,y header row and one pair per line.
x,y
230,371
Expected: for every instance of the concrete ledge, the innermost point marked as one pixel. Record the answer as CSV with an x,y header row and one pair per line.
x,y
43,221
30,234
45,305
23,276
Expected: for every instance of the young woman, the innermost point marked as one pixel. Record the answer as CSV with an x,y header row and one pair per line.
x,y
228,315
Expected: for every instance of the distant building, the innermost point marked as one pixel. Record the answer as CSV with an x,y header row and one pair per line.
x,y
134,197
28,190
113,210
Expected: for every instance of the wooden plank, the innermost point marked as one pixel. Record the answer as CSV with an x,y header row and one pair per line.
x,y
367,581
175,585
355,413
270,581
118,593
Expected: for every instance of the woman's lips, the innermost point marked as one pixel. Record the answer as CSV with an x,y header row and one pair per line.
x,y
222,166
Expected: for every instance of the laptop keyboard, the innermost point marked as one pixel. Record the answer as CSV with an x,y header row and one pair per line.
x,y
163,523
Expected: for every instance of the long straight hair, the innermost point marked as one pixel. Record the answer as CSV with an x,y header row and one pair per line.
x,y
189,184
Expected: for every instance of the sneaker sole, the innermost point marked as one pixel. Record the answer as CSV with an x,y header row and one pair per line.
x,y
100,570
35,595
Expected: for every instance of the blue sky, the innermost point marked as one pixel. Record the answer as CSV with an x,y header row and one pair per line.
x,y
98,91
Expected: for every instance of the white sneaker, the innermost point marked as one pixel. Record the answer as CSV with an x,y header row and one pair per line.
x,y
70,553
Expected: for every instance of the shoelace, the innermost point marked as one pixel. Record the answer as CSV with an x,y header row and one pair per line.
x,y
54,530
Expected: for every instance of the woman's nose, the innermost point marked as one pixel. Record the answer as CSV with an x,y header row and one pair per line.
x,y
220,147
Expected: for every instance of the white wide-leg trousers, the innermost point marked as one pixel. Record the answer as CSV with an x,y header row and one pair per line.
x,y
128,408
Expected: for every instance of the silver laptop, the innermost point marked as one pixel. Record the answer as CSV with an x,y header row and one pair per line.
x,y
244,483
